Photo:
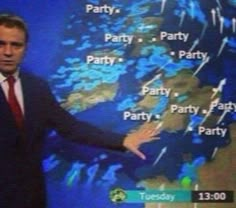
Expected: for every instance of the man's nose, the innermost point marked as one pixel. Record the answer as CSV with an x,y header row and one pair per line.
x,y
8,50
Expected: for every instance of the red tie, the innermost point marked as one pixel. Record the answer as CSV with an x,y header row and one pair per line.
x,y
13,103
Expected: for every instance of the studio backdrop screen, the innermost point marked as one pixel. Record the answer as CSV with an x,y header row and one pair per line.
x,y
168,65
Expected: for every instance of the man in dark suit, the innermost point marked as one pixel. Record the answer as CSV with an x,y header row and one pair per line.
x,y
27,111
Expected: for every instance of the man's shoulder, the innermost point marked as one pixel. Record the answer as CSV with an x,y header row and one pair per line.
x,y
32,78
34,83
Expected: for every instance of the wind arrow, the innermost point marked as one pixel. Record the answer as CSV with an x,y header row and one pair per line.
x,y
234,25
224,42
182,17
163,4
214,153
216,101
204,30
163,151
219,4
223,116
195,43
213,12
192,8
219,88
204,62
222,21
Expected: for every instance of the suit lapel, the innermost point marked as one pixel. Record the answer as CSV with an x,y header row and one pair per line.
x,y
3,100
27,96
5,111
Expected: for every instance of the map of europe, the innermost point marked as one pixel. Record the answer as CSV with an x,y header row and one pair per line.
x,y
167,65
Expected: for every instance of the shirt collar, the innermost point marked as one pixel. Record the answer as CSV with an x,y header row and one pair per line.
x,y
3,78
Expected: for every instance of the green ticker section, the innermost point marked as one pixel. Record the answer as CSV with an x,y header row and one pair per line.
x,y
150,196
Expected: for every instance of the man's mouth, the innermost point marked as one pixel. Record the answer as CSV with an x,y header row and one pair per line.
x,y
7,62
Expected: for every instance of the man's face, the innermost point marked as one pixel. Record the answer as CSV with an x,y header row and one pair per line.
x,y
12,48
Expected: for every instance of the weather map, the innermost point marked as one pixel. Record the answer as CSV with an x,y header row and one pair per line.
x,y
167,65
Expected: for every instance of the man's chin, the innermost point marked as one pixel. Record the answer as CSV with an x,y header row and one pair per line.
x,y
8,70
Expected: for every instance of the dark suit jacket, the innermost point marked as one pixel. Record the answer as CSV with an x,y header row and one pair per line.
x,y
21,177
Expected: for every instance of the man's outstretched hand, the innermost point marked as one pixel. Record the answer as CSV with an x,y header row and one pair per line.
x,y
134,139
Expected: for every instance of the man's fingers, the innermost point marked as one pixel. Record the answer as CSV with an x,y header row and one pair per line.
x,y
148,136
150,132
138,153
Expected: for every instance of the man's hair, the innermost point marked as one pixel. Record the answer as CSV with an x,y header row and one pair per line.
x,y
11,21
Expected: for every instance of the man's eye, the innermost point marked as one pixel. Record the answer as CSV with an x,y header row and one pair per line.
x,y
17,45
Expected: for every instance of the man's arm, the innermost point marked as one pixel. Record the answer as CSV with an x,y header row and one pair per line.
x,y
84,133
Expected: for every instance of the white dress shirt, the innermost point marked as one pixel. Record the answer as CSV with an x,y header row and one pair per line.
x,y
17,86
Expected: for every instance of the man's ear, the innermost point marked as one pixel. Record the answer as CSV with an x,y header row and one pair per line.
x,y
26,48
